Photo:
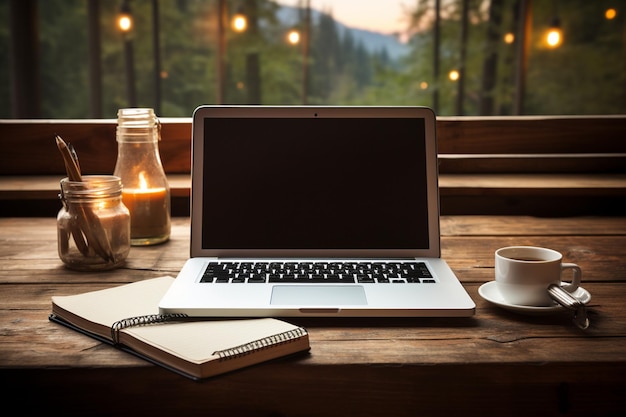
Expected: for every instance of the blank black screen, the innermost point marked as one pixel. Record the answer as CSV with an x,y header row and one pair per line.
x,y
314,183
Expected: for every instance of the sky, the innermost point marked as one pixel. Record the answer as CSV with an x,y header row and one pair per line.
x,y
385,16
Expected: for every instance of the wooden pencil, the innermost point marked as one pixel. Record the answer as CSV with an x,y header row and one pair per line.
x,y
89,224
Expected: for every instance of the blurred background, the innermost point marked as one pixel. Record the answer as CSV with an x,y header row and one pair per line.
x,y
75,59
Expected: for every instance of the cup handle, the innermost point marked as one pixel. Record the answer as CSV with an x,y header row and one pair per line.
x,y
576,277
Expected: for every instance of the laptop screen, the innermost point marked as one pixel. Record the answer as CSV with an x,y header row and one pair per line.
x,y
314,183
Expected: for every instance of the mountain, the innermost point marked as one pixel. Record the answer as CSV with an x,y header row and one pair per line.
x,y
373,42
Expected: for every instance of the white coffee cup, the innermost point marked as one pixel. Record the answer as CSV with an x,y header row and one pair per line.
x,y
523,274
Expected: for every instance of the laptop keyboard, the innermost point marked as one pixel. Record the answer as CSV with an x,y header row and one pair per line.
x,y
317,272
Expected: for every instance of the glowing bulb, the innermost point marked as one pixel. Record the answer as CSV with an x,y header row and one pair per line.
x,y
554,38
239,23
125,23
423,85
509,38
293,37
610,14
454,75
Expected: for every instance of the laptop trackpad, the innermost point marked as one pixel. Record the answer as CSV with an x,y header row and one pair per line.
x,y
317,295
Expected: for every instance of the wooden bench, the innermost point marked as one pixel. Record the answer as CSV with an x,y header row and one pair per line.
x,y
545,166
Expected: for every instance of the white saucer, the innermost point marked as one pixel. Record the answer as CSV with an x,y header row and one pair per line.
x,y
489,291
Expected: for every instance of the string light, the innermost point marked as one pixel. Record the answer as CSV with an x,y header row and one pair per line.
x,y
124,18
125,23
554,36
293,37
610,14
239,22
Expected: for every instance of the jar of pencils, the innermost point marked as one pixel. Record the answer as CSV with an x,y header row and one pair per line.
x,y
146,191
93,226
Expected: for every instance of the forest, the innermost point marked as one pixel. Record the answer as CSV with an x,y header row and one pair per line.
x,y
199,64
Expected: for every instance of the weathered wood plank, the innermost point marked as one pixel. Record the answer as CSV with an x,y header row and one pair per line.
x,y
500,336
44,229
494,363
531,226
601,260
32,187
47,187
468,244
460,194
28,144
533,184
532,163
531,134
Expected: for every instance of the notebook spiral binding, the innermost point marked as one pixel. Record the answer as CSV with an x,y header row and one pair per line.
x,y
142,321
264,343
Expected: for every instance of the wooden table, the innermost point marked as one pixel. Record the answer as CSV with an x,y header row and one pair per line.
x,y
495,363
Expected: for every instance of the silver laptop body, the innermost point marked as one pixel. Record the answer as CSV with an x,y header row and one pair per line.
x,y
323,186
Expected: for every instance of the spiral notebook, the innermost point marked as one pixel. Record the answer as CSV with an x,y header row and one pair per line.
x,y
127,317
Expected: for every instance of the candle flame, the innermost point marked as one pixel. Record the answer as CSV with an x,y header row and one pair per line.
x,y
143,184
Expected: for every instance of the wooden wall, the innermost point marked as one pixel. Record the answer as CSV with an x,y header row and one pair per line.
x,y
509,165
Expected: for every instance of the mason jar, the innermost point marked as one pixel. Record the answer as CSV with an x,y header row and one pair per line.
x,y
146,192
93,225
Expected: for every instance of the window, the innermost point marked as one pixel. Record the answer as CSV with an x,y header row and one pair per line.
x,y
480,57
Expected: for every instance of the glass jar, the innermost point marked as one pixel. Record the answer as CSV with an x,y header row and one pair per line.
x,y
146,192
93,226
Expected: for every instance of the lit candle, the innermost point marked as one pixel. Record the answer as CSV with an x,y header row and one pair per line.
x,y
149,212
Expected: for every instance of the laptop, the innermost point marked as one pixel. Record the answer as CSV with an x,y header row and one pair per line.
x,y
315,211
